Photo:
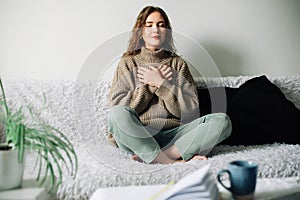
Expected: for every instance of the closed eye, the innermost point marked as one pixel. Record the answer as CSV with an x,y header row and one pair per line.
x,y
159,24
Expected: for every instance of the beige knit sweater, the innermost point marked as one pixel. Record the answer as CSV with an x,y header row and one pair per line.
x,y
173,103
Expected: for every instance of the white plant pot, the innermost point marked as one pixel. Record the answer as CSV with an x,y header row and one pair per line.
x,y
11,171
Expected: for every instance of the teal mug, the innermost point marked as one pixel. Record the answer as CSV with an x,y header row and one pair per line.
x,y
242,177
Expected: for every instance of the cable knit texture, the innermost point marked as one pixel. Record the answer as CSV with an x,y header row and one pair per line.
x,y
163,108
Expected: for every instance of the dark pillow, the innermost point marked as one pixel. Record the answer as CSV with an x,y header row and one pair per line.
x,y
260,114
215,99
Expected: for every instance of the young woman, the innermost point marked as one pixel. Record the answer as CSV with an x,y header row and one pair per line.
x,y
154,105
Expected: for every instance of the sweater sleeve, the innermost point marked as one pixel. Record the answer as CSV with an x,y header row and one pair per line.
x,y
180,95
126,91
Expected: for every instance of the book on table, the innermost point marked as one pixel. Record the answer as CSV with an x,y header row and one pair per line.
x,y
198,185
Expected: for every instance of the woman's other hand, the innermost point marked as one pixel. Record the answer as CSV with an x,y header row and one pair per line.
x,y
166,72
154,76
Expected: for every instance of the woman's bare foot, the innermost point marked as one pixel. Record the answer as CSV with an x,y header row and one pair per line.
x,y
195,157
181,161
198,157
136,158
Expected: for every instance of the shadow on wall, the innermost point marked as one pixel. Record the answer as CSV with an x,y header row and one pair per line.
x,y
228,60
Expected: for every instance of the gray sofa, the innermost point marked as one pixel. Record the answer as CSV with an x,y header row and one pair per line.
x,y
79,109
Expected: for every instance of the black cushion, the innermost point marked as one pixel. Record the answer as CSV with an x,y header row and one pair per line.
x,y
215,99
260,113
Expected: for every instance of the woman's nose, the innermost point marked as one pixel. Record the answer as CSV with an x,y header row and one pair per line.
x,y
154,28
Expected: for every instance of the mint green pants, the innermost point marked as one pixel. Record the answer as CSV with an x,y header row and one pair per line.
x,y
196,137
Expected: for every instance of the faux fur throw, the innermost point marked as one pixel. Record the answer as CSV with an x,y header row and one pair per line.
x,y
80,111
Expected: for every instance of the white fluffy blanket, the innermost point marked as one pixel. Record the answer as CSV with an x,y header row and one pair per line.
x,y
80,111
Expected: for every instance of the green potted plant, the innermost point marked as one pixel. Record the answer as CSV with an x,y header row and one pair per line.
x,y
52,148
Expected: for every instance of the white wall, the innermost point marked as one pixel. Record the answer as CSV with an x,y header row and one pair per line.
x,y
53,39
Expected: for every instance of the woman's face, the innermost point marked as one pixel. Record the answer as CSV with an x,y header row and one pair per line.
x,y
154,31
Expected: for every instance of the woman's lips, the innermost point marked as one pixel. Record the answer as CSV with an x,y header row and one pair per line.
x,y
155,37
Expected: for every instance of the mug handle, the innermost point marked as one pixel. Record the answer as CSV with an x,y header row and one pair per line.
x,y
219,178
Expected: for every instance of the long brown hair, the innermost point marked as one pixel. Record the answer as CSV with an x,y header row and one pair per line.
x,y
136,41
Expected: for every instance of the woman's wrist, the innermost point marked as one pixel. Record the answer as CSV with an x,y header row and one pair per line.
x,y
159,83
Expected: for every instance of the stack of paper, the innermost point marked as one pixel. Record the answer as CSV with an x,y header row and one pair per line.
x,y
196,185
